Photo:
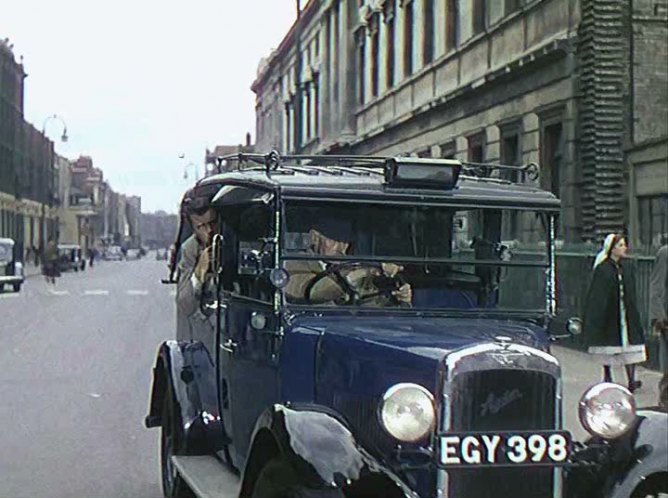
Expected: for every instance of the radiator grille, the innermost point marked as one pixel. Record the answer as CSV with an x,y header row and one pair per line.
x,y
502,400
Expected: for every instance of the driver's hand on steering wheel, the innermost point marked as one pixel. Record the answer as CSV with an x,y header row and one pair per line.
x,y
390,269
404,294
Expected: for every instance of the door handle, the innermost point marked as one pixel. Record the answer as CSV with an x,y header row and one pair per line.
x,y
229,345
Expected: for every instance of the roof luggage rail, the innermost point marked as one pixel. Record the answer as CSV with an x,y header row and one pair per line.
x,y
363,165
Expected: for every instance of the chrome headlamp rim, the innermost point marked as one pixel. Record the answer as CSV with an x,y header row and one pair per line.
x,y
584,407
390,393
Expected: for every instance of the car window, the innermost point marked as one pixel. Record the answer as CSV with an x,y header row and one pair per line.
x,y
457,249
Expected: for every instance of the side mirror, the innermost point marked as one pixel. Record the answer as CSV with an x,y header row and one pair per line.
x,y
559,329
574,326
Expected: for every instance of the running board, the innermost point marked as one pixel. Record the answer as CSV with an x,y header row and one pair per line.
x,y
207,476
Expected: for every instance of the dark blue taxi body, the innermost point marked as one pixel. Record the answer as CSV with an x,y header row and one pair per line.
x,y
307,399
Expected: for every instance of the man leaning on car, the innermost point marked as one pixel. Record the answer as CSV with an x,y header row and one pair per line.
x,y
194,267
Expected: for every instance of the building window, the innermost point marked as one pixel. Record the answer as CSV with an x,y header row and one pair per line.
x,y
476,148
428,28
511,156
334,51
479,16
652,219
374,59
307,112
511,152
316,107
361,66
451,24
390,21
449,150
408,38
551,155
512,6
287,146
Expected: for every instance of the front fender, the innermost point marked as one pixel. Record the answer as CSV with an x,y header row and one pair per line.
x,y
648,455
321,449
616,469
186,368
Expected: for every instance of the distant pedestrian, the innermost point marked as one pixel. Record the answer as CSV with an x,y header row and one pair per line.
x,y
658,313
612,326
91,257
50,262
36,254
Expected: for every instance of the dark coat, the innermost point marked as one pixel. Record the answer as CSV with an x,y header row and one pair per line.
x,y
601,314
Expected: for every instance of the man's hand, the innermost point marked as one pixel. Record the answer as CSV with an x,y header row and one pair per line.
x,y
404,294
203,264
390,269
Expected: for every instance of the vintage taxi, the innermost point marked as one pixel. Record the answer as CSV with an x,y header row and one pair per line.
x,y
449,393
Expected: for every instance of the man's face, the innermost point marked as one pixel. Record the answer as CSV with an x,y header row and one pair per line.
x,y
204,226
326,246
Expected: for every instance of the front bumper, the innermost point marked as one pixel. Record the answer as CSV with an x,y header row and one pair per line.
x,y
11,279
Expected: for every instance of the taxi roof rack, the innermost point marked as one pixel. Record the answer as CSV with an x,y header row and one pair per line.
x,y
274,162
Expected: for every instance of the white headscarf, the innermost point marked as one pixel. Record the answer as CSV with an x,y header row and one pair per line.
x,y
605,251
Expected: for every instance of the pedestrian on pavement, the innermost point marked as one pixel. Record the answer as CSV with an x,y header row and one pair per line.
x,y
91,257
36,254
612,326
658,313
50,262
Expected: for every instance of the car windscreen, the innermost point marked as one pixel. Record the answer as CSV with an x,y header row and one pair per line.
x,y
451,257
6,252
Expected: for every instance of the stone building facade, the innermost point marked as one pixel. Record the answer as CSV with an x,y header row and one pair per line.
x,y
27,176
577,86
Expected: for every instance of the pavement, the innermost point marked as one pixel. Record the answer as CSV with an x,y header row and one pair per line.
x,y
76,373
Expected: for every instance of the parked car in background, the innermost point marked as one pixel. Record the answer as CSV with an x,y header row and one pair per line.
x,y
113,253
11,268
70,258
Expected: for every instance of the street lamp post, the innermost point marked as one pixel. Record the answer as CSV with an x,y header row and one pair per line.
x,y
64,136
48,194
187,167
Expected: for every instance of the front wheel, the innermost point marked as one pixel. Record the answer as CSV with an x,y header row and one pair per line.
x,y
277,479
17,287
171,443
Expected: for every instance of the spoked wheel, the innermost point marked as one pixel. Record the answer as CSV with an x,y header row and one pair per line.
x,y
277,479
171,443
654,487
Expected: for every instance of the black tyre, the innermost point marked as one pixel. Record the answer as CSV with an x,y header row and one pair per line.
x,y
277,479
17,287
171,443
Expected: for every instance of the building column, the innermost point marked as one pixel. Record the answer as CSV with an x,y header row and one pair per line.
x,y
439,29
382,55
418,34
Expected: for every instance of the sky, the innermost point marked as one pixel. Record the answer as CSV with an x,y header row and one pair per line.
x,y
139,83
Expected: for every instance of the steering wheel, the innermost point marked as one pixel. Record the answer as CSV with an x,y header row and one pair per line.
x,y
334,270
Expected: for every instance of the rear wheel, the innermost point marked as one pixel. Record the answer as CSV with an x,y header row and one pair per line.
x,y
277,479
17,287
171,443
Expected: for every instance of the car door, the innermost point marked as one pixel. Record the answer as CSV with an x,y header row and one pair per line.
x,y
248,328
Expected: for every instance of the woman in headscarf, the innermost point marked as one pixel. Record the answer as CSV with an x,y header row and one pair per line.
x,y
612,325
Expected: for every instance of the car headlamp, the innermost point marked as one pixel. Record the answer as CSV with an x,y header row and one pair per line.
x,y
607,410
407,412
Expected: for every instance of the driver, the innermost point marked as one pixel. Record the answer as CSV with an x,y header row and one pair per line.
x,y
331,237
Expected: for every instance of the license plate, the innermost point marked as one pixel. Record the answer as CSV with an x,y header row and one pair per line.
x,y
473,449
